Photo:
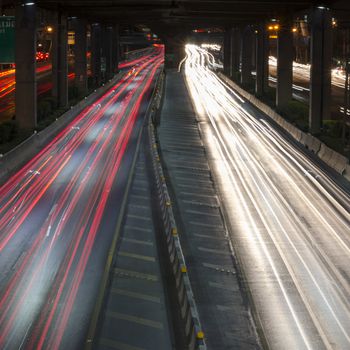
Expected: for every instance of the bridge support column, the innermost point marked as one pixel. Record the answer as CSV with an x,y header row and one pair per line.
x,y
320,75
80,50
247,55
96,48
116,49
107,51
284,64
262,60
227,53
60,60
25,48
235,52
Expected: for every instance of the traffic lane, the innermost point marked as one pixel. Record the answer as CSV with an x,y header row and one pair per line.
x,y
254,160
301,89
71,224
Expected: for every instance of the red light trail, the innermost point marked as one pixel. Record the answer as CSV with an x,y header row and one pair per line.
x,y
53,210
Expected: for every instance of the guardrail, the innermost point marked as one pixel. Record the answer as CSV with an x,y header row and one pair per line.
x,y
332,158
188,309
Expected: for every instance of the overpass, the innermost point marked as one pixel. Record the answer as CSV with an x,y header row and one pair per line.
x,y
172,206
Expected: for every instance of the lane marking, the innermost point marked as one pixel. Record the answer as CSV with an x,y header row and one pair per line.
x,y
130,273
137,256
214,251
190,211
140,206
219,268
201,203
200,235
137,241
139,217
135,319
118,345
135,295
138,196
206,225
224,308
198,195
221,286
136,228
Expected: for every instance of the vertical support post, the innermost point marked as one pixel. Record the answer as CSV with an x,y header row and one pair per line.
x,y
25,57
246,56
96,53
60,60
284,64
107,52
320,75
262,60
227,53
236,52
80,51
116,48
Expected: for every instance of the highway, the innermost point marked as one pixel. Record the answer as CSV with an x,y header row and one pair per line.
x,y
301,82
289,222
58,216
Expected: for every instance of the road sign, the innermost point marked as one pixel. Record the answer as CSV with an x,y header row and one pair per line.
x,y
7,39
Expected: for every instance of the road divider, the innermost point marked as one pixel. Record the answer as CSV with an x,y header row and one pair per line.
x,y
188,308
332,158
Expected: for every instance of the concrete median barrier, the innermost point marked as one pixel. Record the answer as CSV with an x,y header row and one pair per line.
x,y
188,309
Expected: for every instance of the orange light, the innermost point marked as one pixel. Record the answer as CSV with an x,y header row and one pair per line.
x,y
276,27
273,36
270,28
294,30
49,29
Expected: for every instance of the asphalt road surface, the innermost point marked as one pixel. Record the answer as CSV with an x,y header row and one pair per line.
x,y
58,216
289,221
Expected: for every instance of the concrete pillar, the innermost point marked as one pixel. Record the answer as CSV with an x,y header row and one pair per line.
x,y
25,51
262,60
227,53
235,51
80,51
96,47
60,60
116,49
246,55
107,51
284,64
320,75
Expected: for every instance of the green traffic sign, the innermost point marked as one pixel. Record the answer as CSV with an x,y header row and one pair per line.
x,y
7,39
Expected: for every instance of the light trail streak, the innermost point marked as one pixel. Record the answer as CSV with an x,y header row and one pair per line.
x,y
290,221
52,211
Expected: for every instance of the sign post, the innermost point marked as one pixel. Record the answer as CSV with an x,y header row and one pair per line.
x,y
7,39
